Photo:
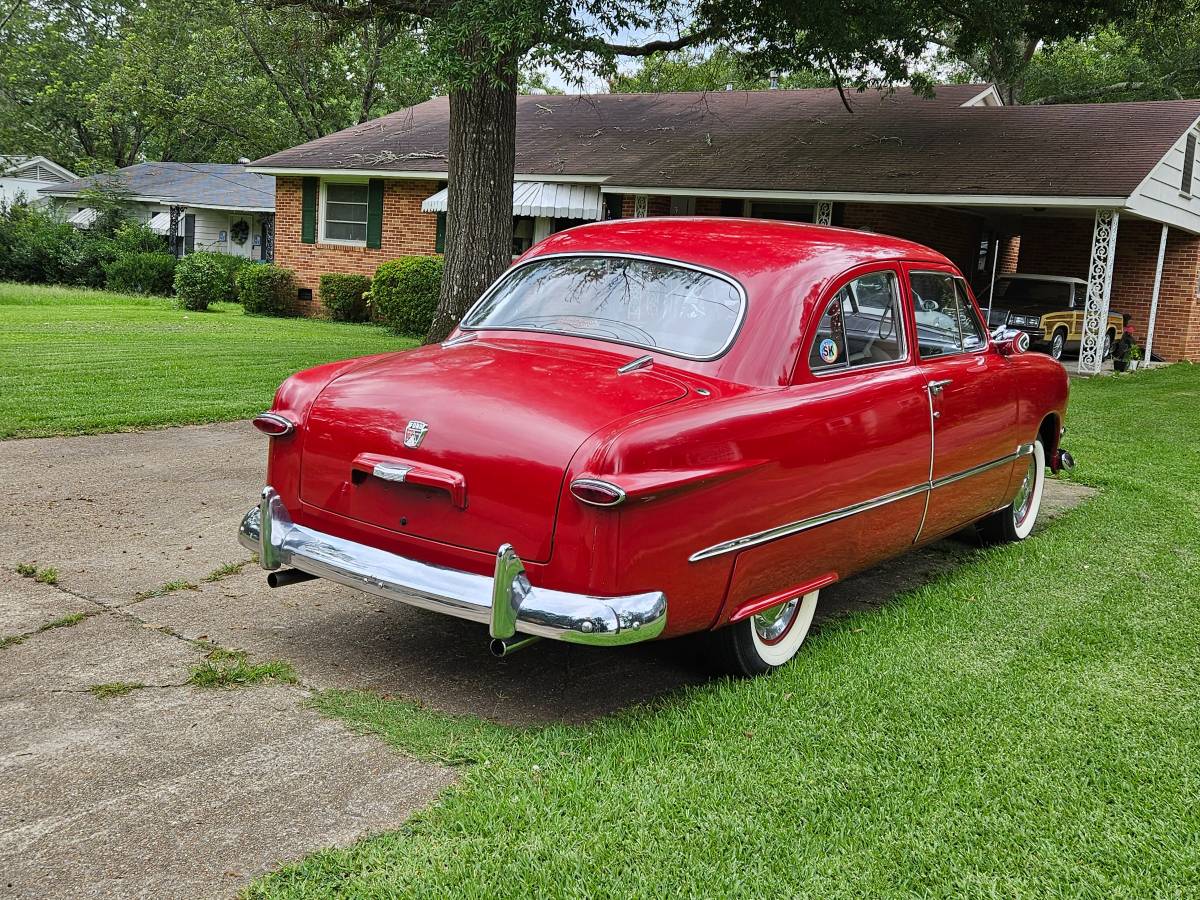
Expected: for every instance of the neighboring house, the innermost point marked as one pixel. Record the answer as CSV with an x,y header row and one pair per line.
x,y
201,206
1102,192
21,177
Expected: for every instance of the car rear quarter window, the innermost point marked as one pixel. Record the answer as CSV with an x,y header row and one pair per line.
x,y
861,325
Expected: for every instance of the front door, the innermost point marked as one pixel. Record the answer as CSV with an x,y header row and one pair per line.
x,y
972,406
239,243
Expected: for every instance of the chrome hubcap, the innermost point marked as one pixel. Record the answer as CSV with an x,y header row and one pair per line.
x,y
771,624
1024,498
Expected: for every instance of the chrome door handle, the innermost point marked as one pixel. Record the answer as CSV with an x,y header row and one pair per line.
x,y
935,387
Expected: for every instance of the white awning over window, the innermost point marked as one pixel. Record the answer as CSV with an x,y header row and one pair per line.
x,y
542,198
84,218
160,223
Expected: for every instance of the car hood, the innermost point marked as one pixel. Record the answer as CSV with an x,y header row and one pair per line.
x,y
502,422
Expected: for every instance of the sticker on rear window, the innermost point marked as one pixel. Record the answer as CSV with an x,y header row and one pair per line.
x,y
829,350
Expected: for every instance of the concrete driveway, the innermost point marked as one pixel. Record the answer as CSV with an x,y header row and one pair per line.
x,y
175,790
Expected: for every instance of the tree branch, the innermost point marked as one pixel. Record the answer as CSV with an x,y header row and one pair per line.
x,y
12,12
689,40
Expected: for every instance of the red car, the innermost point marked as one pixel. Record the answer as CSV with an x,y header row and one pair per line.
x,y
652,427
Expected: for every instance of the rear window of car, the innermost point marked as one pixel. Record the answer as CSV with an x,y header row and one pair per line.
x,y
1026,292
654,304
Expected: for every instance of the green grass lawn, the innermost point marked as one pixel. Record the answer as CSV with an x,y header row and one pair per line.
x,y
1026,725
76,361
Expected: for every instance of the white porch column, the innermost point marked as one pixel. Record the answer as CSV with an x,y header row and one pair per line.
x,y
641,206
1162,253
824,214
1100,271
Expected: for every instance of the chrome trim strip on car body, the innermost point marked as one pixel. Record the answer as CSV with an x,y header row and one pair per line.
x,y
506,601
608,254
782,531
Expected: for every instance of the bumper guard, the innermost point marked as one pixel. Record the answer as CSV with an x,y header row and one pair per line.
x,y
506,602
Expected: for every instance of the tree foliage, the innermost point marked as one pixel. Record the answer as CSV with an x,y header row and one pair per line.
x,y
95,84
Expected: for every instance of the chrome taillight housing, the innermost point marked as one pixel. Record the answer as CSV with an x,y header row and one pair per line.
x,y
273,424
595,492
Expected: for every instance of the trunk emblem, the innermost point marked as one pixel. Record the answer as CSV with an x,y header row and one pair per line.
x,y
414,433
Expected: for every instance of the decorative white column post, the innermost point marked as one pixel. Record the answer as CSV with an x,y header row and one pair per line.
x,y
641,206
824,212
1162,253
1100,271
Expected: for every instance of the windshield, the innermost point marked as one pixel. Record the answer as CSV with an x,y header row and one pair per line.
x,y
641,302
1021,293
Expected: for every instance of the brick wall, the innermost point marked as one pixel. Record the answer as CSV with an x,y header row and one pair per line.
x,y
406,232
954,234
1064,247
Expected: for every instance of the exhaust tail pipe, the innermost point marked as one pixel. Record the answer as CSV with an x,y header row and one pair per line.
x,y
502,647
284,577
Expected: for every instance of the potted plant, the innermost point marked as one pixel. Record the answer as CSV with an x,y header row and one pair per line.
x,y
1133,357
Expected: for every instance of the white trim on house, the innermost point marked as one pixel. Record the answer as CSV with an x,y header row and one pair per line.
x,y
11,169
163,201
863,197
323,199
989,96
1159,197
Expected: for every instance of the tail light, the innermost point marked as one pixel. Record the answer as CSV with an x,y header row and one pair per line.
x,y
273,424
595,492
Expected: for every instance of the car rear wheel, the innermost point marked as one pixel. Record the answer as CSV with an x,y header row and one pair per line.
x,y
765,641
1015,522
1058,344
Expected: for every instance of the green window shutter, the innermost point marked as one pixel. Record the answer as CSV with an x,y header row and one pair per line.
x,y
308,210
375,213
439,243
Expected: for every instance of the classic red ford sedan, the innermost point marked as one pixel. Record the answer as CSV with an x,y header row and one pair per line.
x,y
652,427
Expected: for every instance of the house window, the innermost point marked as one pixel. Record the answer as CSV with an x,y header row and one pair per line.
x,y
522,238
1189,161
344,212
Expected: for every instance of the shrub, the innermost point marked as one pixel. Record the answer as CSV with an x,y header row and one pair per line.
x,y
199,281
231,266
134,237
36,246
404,293
345,296
266,289
141,273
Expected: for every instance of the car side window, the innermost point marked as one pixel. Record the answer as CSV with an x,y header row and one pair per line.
x,y
862,325
974,335
946,322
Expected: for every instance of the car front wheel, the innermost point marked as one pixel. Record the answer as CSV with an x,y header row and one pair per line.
x,y
1058,344
1015,522
765,641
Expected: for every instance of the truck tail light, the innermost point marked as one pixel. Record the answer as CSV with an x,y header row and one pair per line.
x,y
273,424
595,492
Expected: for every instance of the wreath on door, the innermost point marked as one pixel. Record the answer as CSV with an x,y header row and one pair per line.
x,y
239,231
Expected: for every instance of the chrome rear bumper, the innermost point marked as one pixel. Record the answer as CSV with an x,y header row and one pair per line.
x,y
506,602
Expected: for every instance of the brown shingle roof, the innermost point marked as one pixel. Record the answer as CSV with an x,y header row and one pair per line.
x,y
794,141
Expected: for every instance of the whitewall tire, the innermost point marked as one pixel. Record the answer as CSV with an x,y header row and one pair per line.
x,y
1015,522
765,641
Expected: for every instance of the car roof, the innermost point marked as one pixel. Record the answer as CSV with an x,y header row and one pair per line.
x,y
784,268
741,247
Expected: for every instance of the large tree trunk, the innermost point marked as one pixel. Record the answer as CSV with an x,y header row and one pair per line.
x,y
482,156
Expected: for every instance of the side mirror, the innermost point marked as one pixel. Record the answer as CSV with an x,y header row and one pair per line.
x,y
1009,342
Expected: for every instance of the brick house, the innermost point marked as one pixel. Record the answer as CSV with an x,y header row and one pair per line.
x,y
1101,192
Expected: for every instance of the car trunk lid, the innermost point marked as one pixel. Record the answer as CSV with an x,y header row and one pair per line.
x,y
501,421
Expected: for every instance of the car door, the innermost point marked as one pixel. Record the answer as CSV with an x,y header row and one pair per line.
x,y
852,442
971,400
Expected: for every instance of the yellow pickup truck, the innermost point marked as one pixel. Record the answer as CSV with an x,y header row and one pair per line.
x,y
1049,308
